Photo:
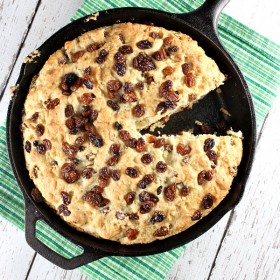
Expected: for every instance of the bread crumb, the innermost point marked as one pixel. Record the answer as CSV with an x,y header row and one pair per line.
x,y
218,90
30,58
92,17
13,89
226,112
236,134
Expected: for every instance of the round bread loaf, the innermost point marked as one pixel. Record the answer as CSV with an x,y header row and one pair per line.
x,y
83,147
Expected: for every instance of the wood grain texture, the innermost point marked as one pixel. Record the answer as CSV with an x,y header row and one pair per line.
x,y
16,255
15,18
251,248
197,259
43,270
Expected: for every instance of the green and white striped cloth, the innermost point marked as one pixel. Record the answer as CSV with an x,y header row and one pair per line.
x,y
259,60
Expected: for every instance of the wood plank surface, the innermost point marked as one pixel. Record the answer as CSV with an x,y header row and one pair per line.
x,y
42,269
16,255
15,19
197,259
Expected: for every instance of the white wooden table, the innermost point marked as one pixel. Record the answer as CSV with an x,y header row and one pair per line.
x,y
245,244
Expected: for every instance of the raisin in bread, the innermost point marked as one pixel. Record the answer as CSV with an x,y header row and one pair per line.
x,y
83,148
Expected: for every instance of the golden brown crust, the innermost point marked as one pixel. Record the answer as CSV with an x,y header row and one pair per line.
x,y
113,219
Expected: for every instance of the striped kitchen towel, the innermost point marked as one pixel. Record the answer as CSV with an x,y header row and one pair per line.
x,y
259,60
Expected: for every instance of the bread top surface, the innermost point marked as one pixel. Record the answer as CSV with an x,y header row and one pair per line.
x,y
83,147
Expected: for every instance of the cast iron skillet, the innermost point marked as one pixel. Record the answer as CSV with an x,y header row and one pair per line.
x,y
201,25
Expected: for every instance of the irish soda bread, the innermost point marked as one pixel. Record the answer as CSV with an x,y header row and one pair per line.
x,y
83,148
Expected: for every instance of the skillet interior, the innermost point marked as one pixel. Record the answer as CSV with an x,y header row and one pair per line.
x,y
234,97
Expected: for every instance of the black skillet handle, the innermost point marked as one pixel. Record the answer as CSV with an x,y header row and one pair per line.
x,y
205,18
31,217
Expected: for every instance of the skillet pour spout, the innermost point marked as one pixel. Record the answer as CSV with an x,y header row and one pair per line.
x,y
201,25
